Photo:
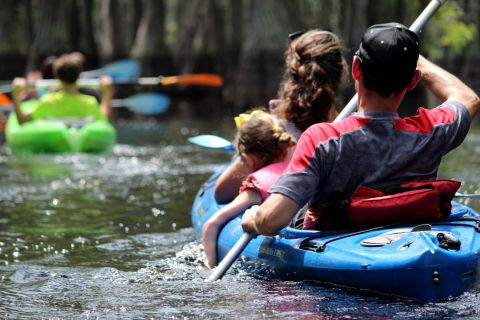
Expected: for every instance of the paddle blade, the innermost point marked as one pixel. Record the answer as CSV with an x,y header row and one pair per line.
x,y
5,101
150,103
200,79
121,70
211,141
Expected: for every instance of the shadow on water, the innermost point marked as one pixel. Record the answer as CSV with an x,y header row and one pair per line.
x,y
109,236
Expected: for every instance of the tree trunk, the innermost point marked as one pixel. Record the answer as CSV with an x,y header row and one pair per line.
x,y
15,37
354,23
266,26
116,23
83,32
149,46
52,29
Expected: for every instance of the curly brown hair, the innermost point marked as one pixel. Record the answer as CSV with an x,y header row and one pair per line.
x,y
315,68
265,137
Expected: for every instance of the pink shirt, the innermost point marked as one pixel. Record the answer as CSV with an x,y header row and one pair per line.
x,y
262,179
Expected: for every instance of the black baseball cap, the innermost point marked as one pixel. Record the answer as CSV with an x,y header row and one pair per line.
x,y
389,52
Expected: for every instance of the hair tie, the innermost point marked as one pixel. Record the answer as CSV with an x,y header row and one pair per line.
x,y
244,117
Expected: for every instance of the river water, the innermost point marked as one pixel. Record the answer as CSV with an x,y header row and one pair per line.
x,y
109,236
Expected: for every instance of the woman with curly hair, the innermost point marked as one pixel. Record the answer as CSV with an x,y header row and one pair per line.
x,y
314,70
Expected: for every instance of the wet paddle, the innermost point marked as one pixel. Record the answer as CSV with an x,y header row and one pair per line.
x,y
466,195
231,257
201,79
235,252
5,107
121,70
127,71
211,141
5,101
149,103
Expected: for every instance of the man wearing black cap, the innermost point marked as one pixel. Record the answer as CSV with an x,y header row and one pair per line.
x,y
373,147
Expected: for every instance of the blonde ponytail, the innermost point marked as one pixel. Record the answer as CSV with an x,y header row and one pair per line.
x,y
264,136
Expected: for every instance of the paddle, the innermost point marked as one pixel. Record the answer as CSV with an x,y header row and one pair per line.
x,y
5,101
351,106
418,24
199,79
467,195
121,70
211,141
231,257
204,79
128,71
149,103
5,104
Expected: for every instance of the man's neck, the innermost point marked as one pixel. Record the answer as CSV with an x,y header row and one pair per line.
x,y
370,101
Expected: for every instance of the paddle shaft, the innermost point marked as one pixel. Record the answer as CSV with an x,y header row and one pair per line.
x,y
206,79
237,249
467,195
231,257
418,24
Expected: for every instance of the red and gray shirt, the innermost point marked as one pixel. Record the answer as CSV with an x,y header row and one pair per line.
x,y
375,149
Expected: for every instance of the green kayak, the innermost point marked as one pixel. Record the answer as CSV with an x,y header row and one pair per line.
x,y
58,135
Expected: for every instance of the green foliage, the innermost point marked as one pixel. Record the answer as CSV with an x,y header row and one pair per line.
x,y
448,33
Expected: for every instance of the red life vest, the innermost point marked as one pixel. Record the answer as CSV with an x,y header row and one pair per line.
x,y
415,201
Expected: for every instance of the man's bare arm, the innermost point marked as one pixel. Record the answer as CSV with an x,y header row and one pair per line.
x,y
274,214
445,86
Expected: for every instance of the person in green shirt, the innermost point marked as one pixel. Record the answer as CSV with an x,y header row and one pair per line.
x,y
68,102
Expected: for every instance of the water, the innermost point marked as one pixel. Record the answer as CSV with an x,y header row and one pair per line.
x,y
109,236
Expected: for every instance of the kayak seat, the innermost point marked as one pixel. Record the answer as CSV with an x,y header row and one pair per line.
x,y
446,239
297,221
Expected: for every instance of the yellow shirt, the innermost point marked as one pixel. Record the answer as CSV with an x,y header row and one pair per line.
x,y
63,105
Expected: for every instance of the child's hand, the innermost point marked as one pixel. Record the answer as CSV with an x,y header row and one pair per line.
x,y
19,85
106,85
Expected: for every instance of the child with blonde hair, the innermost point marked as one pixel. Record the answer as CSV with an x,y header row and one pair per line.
x,y
264,144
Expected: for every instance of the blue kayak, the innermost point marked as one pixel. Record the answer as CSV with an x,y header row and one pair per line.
x,y
427,262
